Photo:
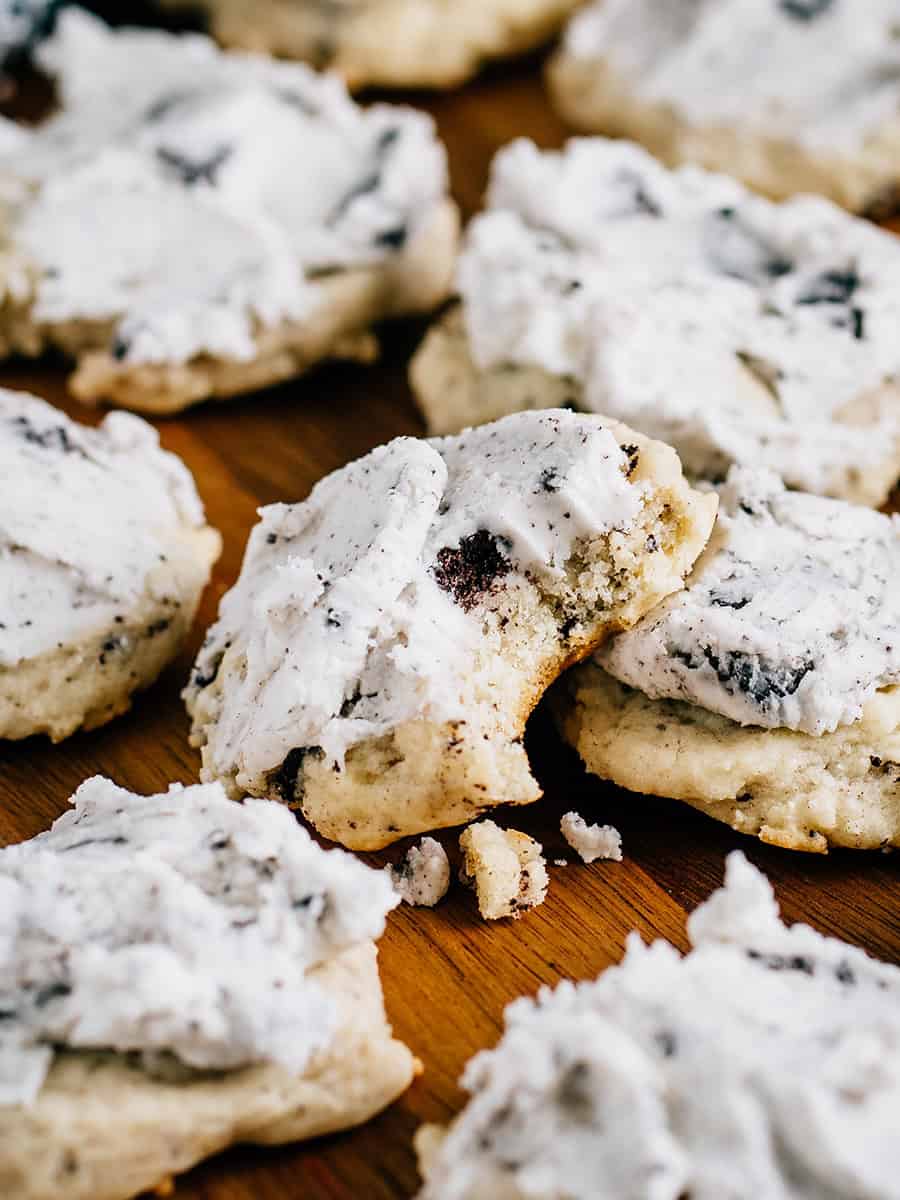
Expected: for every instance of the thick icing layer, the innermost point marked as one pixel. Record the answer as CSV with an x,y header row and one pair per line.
x,y
178,925
766,1062
361,608
821,72
791,617
671,294
422,876
87,521
190,197
591,842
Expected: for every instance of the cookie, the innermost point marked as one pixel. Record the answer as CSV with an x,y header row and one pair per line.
x,y
506,869
104,554
422,877
591,842
269,1025
195,224
764,1062
388,43
767,693
790,97
737,330
387,638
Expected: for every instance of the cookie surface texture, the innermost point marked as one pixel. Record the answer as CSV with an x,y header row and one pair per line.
x,y
378,657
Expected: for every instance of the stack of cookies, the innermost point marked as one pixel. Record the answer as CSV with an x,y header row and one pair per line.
x,y
660,392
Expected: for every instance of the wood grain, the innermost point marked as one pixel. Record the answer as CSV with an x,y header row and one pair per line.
x,y
447,975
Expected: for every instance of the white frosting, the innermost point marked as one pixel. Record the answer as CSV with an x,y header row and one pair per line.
x,y
791,617
422,877
656,294
180,924
591,842
825,73
764,1063
190,196
87,520
360,609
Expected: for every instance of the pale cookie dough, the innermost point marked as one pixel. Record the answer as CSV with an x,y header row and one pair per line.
x,y
104,554
766,694
736,330
763,1063
388,43
194,224
379,655
233,997
506,868
422,877
788,95
591,842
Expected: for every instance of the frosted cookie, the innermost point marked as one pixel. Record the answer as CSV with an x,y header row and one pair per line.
x,y
591,842
790,97
765,1062
179,973
104,554
766,693
737,330
388,43
194,224
422,877
378,657
506,868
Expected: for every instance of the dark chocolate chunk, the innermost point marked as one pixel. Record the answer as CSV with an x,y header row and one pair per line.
x,y
472,569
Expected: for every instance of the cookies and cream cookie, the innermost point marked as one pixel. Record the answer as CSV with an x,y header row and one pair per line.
x,y
788,95
104,554
388,43
378,657
764,1062
195,224
737,330
422,877
766,693
177,973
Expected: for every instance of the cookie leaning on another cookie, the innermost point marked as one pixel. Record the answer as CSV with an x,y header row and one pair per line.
x,y
767,693
388,43
379,656
736,330
104,554
789,95
763,1063
195,224
235,998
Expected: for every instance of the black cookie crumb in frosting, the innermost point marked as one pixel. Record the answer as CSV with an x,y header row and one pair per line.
x,y
471,570
805,10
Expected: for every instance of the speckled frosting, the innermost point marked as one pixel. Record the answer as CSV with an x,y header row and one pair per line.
x,y
825,73
188,198
733,328
179,927
765,1062
790,619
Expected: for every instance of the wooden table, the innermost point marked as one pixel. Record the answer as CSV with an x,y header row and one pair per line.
x,y
447,975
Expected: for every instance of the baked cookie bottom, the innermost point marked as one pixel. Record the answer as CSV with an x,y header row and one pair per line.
x,y
424,773
453,392
414,281
103,1129
594,98
85,684
390,43
787,788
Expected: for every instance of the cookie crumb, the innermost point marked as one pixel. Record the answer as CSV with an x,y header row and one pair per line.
x,y
505,867
422,876
591,841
